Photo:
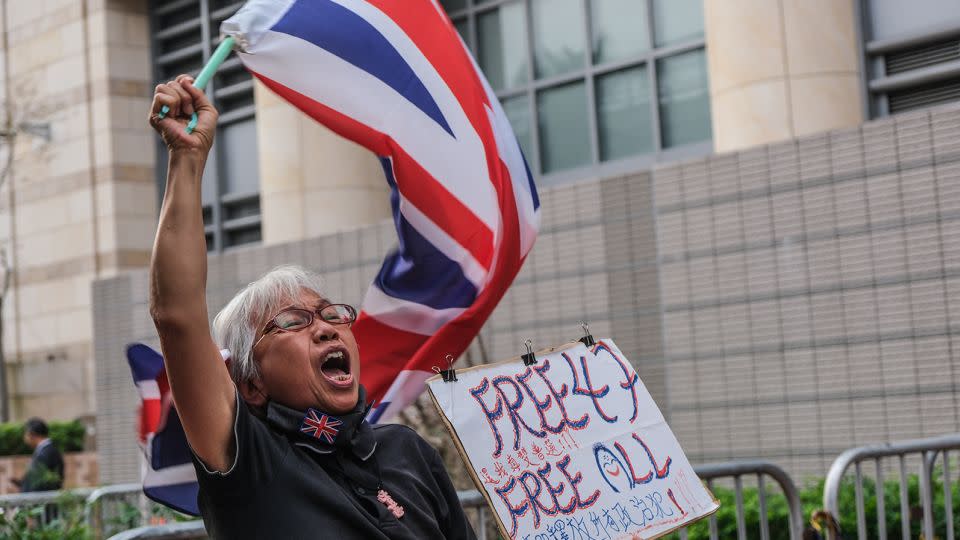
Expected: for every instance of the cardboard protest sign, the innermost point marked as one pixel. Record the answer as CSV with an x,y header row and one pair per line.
x,y
571,446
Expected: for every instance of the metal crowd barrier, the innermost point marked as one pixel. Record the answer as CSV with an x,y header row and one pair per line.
x,y
112,508
737,470
710,472
43,505
476,507
105,511
188,530
117,507
926,451
472,502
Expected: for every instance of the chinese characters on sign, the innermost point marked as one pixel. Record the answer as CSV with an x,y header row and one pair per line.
x,y
571,447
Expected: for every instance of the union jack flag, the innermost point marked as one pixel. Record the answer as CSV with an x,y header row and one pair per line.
x,y
396,78
168,474
320,426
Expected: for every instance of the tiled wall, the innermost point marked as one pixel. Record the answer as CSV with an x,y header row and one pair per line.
x,y
810,292
784,302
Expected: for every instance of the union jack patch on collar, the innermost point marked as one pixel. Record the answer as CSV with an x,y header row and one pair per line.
x,y
320,426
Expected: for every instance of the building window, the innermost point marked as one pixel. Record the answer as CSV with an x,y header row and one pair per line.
x,y
912,54
594,83
185,33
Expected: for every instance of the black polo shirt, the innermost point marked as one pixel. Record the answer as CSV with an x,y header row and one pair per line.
x,y
283,485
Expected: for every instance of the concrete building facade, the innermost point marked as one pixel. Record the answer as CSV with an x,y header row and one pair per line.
x,y
79,202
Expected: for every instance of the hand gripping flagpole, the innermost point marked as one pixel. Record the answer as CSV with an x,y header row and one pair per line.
x,y
219,55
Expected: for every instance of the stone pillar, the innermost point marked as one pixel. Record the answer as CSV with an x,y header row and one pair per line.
x,y
312,181
781,69
81,205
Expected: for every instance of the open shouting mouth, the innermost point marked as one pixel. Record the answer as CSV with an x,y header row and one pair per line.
x,y
335,367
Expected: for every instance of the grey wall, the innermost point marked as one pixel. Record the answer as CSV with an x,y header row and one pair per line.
x,y
784,302
812,291
890,19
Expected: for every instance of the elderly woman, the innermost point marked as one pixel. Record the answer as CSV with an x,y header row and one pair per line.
x,y
280,443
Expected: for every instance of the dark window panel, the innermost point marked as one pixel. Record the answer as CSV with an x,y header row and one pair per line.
x,y
624,118
518,112
184,14
684,99
230,218
240,166
244,208
677,21
453,5
231,77
178,42
502,46
564,127
558,37
620,29
463,28
235,102
242,236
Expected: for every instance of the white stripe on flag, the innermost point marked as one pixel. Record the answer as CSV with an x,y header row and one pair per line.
x,y
178,474
148,389
444,96
457,163
406,388
405,315
434,234
509,149
510,152
254,18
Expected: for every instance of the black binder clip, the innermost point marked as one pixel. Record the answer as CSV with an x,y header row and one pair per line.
x,y
587,338
529,358
449,374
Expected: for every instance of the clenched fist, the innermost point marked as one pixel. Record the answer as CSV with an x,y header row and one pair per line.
x,y
182,99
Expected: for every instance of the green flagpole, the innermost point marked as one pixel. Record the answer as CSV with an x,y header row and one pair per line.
x,y
207,73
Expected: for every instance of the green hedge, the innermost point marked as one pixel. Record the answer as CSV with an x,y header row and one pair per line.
x,y
68,436
811,498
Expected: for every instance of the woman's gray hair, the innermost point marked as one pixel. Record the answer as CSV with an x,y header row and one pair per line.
x,y
236,326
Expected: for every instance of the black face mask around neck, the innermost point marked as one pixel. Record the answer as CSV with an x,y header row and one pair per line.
x,y
347,438
324,432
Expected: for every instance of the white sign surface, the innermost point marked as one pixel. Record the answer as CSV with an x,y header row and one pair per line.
x,y
571,447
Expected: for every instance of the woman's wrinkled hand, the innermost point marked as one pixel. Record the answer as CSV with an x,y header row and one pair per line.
x,y
183,99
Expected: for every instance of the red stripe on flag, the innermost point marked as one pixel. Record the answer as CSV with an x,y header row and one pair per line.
x,y
416,184
149,417
386,350
435,37
162,384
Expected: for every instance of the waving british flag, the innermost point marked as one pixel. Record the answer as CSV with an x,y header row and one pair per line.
x,y
168,474
395,77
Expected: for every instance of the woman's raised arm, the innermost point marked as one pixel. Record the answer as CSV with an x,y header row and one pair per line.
x,y
201,386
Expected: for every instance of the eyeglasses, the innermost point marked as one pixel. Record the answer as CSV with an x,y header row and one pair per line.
x,y
295,319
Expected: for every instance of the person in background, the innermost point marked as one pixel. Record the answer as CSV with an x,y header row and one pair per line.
x,y
45,472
